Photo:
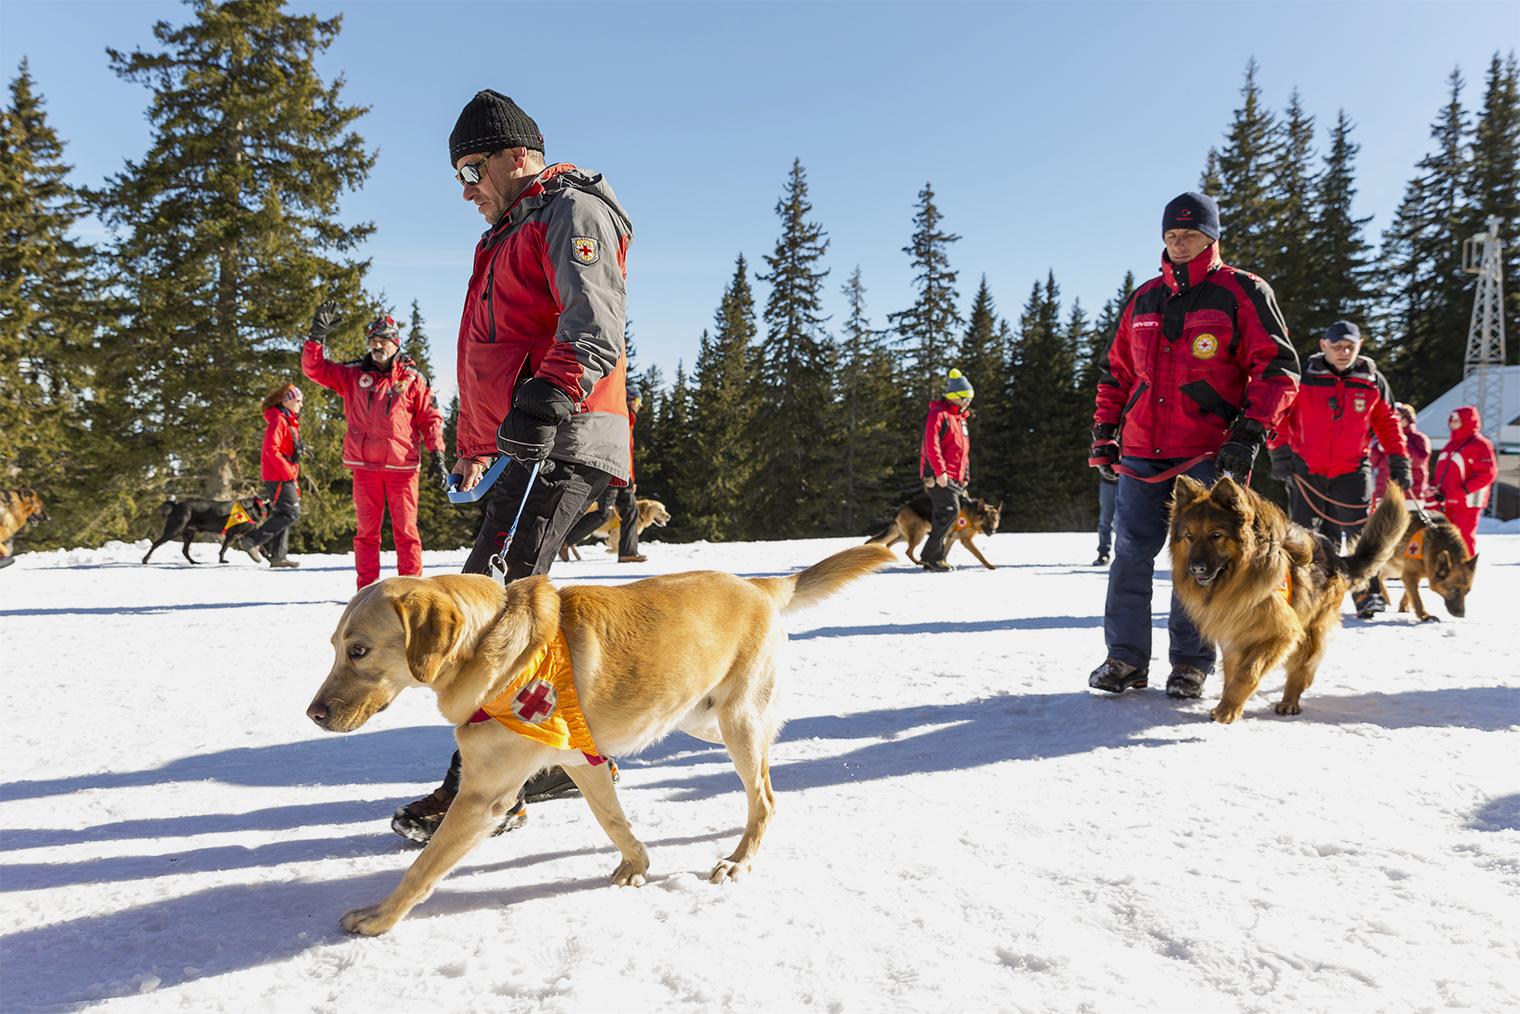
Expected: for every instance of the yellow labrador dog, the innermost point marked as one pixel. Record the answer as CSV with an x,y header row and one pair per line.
x,y
694,651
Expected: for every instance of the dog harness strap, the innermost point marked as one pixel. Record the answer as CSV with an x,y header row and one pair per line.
x,y
1170,473
1415,548
540,702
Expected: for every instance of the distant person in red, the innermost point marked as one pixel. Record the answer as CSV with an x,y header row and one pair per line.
x,y
1464,474
390,411
1419,456
944,465
279,466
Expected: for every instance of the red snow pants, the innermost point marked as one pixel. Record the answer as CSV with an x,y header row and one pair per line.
x,y
1466,520
375,490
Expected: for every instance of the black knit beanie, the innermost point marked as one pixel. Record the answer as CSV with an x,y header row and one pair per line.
x,y
490,122
1192,211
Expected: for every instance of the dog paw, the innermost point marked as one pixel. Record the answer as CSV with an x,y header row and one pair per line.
x,y
726,870
1430,619
1224,715
629,874
367,922
1284,708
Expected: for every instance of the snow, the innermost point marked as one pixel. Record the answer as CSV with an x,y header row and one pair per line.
x,y
960,821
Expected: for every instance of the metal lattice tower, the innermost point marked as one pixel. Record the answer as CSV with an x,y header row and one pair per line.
x,y
1483,368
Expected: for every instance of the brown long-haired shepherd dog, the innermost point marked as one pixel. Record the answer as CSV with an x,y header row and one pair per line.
x,y
1263,588
18,507
1436,553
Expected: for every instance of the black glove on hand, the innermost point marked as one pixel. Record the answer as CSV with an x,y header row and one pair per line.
x,y
1282,464
439,474
1398,471
1104,454
324,320
1238,454
296,450
527,433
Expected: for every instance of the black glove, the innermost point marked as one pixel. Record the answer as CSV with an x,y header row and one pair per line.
x,y
1282,463
324,320
296,450
1238,454
1398,471
436,471
1104,454
527,433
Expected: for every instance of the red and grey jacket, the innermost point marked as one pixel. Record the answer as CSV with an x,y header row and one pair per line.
x,y
947,443
277,459
388,411
1331,422
547,299
1195,349
1464,472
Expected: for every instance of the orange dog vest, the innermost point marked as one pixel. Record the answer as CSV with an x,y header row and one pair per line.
x,y
1415,549
1285,586
540,702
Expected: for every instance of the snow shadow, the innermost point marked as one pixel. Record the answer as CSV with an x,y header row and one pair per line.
x,y
275,818
175,607
1483,709
956,626
1501,813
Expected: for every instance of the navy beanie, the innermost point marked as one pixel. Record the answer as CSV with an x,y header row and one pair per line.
x,y
490,122
1343,330
1192,210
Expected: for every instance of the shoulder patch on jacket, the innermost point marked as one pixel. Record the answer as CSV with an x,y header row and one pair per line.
x,y
585,249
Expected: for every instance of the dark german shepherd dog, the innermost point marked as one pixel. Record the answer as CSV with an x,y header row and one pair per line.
x,y
189,517
911,525
1263,588
1436,553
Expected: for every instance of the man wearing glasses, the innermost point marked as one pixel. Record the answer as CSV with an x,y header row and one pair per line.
x,y
541,360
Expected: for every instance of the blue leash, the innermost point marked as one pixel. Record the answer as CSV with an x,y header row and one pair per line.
x,y
499,558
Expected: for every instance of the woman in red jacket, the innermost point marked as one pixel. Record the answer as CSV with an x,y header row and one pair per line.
x,y
279,464
1464,474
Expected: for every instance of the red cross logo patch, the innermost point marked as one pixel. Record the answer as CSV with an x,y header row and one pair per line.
x,y
584,248
1359,404
535,702
365,380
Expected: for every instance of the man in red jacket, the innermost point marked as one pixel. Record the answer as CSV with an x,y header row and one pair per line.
x,y
541,360
1464,474
1197,371
389,409
944,465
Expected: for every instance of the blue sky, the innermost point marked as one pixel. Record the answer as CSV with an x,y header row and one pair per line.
x,y
1052,133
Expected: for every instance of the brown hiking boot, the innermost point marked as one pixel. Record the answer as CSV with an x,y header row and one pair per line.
x,y
418,820
635,558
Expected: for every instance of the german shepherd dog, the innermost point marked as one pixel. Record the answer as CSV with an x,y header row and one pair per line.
x,y
18,507
1263,588
911,525
651,513
188,517
1436,553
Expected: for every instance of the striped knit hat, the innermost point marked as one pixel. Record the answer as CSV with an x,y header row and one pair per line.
x,y
957,387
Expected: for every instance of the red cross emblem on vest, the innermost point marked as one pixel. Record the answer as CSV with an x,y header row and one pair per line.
x,y
535,702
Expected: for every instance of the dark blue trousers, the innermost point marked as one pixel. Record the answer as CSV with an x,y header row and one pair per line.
x,y
1141,519
1107,493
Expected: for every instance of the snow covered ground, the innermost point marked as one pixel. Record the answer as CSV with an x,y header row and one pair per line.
x,y
960,822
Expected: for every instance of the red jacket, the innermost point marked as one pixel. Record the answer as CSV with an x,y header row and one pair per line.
x,y
1331,422
1419,463
1464,472
277,460
388,411
947,443
1194,350
547,299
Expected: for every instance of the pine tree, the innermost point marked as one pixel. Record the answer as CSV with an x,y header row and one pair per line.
x,y
1340,258
442,525
724,429
229,237
793,481
869,450
1098,338
926,329
1248,209
417,346
1291,265
1493,185
679,472
981,357
51,310
1050,489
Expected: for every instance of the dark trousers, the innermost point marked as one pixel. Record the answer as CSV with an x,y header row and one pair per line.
x,y
621,499
944,506
1343,523
1141,519
1108,492
284,507
556,502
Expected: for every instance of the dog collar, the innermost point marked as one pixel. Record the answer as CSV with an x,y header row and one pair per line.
x,y
540,702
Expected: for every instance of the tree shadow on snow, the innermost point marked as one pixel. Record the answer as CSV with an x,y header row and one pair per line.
x,y
1501,813
953,627
175,607
1482,709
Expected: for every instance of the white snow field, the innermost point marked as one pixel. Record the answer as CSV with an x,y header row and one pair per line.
x,y
961,824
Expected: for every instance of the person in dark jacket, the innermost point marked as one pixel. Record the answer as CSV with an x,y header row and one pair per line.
x,y
1198,370
622,499
944,465
541,363
279,467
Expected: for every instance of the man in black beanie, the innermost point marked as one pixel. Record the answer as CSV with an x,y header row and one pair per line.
x,y
542,367
1198,370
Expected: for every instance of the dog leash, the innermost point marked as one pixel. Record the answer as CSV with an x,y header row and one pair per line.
x,y
499,558
1170,473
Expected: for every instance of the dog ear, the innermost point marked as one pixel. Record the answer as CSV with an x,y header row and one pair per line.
x,y
1228,494
1472,564
432,623
1187,489
1443,565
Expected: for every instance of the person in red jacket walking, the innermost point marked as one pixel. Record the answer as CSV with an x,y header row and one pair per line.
x,y
1464,473
1419,456
944,465
389,409
1198,370
279,466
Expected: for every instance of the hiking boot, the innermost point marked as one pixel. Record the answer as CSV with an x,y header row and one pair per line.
x,y
1185,681
937,566
283,563
1116,677
1101,561
635,558
418,820
253,553
550,783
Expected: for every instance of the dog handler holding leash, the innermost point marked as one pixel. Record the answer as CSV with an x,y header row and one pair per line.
x,y
1198,370
542,364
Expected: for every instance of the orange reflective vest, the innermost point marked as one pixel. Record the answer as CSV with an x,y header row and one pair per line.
x,y
540,702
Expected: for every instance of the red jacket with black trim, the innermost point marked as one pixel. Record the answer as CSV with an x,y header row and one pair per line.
x,y
1465,470
946,448
389,412
1195,349
1331,422
277,458
547,299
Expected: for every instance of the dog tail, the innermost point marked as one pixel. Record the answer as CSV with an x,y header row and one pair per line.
x,y
1380,538
880,535
824,578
